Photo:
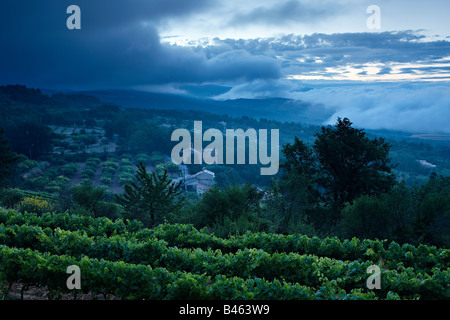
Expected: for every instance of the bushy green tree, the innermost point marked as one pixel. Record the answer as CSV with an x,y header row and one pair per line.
x,y
432,214
295,195
317,181
419,214
152,198
86,195
351,164
366,218
91,201
231,210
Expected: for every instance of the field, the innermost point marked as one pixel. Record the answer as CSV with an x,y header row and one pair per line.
x,y
123,260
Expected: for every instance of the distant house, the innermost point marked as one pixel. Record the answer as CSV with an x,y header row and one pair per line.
x,y
200,182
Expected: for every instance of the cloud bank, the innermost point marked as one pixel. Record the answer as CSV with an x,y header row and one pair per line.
x,y
118,46
410,107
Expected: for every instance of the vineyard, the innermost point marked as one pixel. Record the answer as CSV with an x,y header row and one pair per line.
x,y
122,260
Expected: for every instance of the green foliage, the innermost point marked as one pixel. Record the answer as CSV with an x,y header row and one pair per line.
x,y
69,170
36,205
166,166
57,184
111,163
415,215
294,197
94,162
30,138
7,159
156,157
9,198
351,164
317,182
106,180
92,201
84,139
255,267
25,164
144,158
152,198
125,162
232,210
432,214
126,178
127,169
366,218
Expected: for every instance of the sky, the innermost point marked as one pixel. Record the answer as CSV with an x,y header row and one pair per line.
x,y
320,51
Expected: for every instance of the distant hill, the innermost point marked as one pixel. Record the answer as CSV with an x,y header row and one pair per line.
x,y
278,109
21,95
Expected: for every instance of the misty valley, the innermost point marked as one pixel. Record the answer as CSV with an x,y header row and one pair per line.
x,y
97,181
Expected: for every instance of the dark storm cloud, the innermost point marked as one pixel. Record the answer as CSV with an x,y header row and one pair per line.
x,y
286,12
117,46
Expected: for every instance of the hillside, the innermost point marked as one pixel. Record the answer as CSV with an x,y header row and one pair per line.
x,y
276,109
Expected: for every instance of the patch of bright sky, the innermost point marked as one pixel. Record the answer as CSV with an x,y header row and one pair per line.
x,y
431,16
371,72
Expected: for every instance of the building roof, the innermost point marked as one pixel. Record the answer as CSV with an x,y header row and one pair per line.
x,y
204,171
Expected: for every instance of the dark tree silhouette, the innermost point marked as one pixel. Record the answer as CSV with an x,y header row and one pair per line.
x,y
351,164
152,198
7,159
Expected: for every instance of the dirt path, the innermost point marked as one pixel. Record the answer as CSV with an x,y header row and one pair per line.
x,y
41,293
77,178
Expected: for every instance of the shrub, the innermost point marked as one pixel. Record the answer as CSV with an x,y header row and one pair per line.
x,y
156,157
110,165
108,171
35,205
10,197
25,164
110,210
106,180
70,170
39,183
125,178
88,172
93,161
82,211
126,162
142,157
171,167
127,169
86,181
58,184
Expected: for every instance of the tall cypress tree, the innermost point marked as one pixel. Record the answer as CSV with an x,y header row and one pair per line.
x,y
7,159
